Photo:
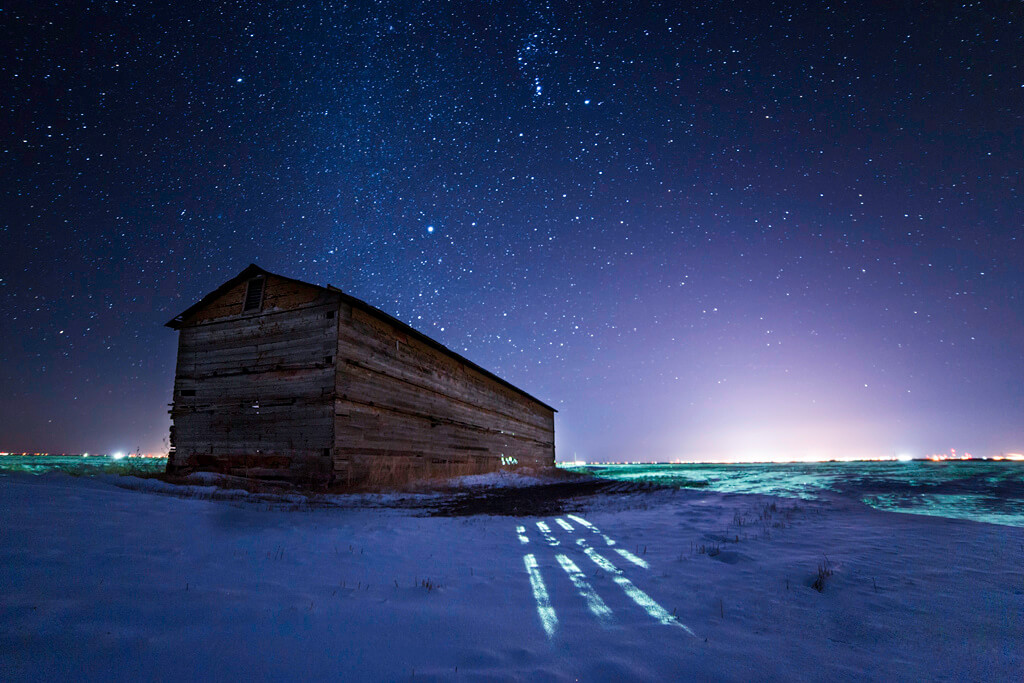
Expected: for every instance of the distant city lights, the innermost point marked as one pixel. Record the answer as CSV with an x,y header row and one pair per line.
x,y
901,457
951,456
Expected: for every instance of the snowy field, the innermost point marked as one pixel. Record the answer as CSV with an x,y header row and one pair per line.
x,y
99,581
980,490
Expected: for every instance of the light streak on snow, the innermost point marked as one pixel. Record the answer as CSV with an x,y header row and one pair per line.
x,y
583,587
564,524
656,611
583,522
521,530
607,539
638,561
545,531
548,618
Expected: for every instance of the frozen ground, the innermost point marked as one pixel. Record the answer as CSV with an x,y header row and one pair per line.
x,y
101,581
980,490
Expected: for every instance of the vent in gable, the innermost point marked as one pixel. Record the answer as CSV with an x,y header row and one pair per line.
x,y
254,295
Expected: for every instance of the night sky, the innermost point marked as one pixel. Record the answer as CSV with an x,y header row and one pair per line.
x,y
720,230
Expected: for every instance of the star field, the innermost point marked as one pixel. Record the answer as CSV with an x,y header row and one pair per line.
x,y
720,230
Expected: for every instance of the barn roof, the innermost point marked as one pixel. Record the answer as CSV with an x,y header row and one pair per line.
x,y
253,270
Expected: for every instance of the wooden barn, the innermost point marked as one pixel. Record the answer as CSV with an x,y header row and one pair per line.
x,y
281,379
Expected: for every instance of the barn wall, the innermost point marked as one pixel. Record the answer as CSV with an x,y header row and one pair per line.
x,y
253,393
403,407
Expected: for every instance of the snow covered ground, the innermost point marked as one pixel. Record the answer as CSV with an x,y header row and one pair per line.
x,y
99,581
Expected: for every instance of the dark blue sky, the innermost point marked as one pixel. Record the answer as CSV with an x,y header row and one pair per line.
x,y
723,230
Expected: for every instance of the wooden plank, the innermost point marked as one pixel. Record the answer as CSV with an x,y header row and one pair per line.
x,y
385,434
319,339
417,362
368,387
270,327
284,325
403,402
351,415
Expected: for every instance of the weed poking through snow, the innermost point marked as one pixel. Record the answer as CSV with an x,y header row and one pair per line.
x,y
824,572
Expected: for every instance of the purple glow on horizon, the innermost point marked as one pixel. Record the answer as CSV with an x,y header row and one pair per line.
x,y
700,233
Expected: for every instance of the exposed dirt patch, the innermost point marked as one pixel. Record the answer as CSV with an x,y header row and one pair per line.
x,y
532,501
555,493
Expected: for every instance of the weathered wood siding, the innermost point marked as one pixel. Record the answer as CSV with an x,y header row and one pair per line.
x,y
315,386
254,392
403,406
